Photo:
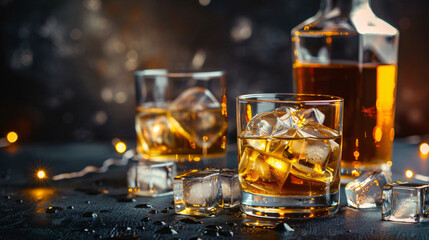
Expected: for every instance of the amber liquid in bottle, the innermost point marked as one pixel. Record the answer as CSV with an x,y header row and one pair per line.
x,y
369,107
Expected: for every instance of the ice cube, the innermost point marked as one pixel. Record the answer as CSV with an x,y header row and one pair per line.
x,y
195,99
262,171
197,115
366,190
152,129
310,114
316,130
405,202
230,187
311,158
198,193
149,178
268,124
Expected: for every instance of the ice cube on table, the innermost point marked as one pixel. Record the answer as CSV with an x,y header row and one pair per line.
x,y
405,202
230,187
366,190
151,179
198,193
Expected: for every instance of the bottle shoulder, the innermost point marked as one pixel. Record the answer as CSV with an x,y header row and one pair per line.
x,y
336,24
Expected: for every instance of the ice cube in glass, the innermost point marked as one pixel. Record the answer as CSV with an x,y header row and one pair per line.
x,y
366,190
151,179
405,202
198,193
230,187
197,114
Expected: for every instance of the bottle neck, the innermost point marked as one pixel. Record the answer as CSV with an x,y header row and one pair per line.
x,y
343,7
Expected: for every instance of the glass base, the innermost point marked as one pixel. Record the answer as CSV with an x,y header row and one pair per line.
x,y
349,174
289,207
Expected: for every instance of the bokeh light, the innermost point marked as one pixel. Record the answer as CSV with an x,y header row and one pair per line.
x,y
120,147
41,174
409,174
424,148
12,137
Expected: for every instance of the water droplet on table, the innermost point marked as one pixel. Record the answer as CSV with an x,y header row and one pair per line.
x,y
144,205
90,215
54,209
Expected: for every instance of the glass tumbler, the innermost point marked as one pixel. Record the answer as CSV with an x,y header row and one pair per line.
x,y
289,154
182,116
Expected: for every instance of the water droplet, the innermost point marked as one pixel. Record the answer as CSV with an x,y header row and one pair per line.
x,y
90,215
144,205
283,227
213,227
211,232
88,202
126,199
190,220
160,223
70,207
125,228
153,211
145,219
54,209
86,230
166,230
231,224
19,201
141,227
8,197
226,233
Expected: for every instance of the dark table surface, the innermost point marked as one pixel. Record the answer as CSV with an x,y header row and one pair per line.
x,y
25,200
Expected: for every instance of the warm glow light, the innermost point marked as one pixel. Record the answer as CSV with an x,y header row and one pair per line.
x,y
424,148
248,113
279,165
12,137
120,147
156,129
409,174
356,154
377,134
41,174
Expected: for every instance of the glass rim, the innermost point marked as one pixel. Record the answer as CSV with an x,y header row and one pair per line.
x,y
198,73
318,98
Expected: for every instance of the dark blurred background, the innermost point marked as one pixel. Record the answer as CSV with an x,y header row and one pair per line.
x,y
67,66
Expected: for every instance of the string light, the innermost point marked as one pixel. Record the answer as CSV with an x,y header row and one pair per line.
x,y
409,174
120,147
41,174
424,148
12,137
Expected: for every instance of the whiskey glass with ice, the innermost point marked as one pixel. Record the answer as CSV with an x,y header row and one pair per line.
x,y
181,117
289,151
